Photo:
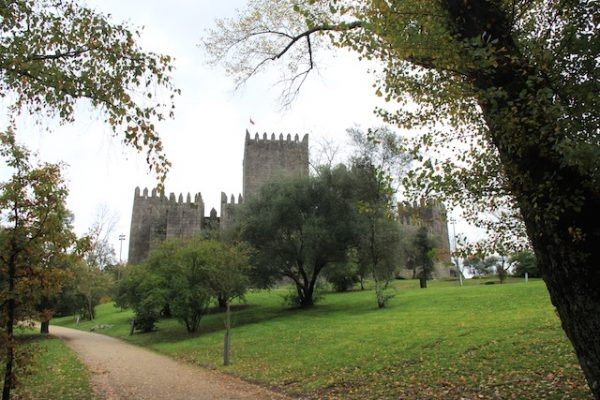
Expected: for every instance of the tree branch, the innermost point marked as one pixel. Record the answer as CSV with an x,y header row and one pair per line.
x,y
58,55
320,28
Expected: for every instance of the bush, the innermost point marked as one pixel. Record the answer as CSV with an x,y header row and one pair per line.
x,y
180,279
293,300
145,292
145,322
342,276
524,261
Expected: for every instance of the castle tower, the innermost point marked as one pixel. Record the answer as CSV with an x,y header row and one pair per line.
x,y
428,213
267,159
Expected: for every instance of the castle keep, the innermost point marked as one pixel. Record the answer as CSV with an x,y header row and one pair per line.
x,y
265,160
156,217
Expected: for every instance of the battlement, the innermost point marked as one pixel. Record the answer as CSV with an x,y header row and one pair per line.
x,y
228,209
231,200
172,199
426,211
281,140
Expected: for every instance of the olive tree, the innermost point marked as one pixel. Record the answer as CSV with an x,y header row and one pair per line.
x,y
299,227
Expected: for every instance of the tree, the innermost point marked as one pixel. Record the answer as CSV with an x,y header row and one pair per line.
x,y
227,276
56,52
181,278
379,241
324,155
524,262
298,228
62,267
502,268
35,233
190,295
93,277
91,284
423,255
378,163
382,149
148,288
101,253
379,250
480,266
508,95
146,293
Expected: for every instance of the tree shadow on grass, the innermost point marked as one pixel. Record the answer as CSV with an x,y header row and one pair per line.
x,y
248,314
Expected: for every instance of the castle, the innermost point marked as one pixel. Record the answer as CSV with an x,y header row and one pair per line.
x,y
155,217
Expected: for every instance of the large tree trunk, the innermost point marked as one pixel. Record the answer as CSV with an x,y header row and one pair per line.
x,y
10,356
558,201
307,300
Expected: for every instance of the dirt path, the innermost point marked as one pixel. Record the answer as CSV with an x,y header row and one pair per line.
x,y
122,371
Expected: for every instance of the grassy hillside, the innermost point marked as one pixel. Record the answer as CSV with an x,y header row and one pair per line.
x,y
47,370
492,341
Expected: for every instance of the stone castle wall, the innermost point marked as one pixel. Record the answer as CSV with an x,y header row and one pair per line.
x,y
268,159
228,208
430,214
433,216
155,218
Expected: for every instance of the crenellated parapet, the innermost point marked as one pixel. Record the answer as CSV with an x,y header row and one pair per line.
x,y
275,140
231,200
173,199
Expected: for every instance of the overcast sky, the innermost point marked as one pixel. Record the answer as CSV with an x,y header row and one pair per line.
x,y
205,140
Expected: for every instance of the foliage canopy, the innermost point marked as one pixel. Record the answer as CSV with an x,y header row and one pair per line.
x,y
54,53
299,227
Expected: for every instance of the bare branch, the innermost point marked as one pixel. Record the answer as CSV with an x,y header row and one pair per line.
x,y
318,29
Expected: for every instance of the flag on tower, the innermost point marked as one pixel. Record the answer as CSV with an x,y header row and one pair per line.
x,y
252,122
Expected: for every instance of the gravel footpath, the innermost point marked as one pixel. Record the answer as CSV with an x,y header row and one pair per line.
x,y
123,371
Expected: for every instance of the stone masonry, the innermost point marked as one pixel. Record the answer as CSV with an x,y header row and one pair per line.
x,y
157,218
266,160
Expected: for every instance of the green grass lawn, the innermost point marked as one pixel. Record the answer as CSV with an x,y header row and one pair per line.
x,y
48,370
445,342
